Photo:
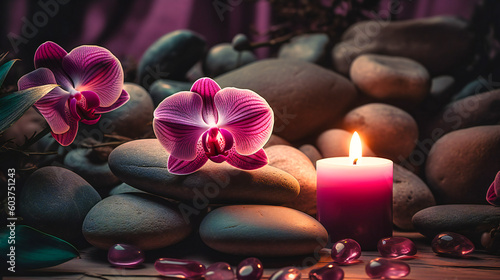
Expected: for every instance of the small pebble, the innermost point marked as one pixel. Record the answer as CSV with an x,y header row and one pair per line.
x,y
396,247
240,42
327,272
219,271
387,269
250,269
287,273
346,251
125,255
452,244
180,268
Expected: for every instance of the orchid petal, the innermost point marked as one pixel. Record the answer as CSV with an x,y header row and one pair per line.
x,y
69,136
207,88
228,139
178,124
124,97
182,167
91,121
493,193
247,116
96,69
249,162
53,106
50,55
72,109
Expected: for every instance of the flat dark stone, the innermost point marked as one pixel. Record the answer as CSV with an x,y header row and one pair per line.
x,y
143,165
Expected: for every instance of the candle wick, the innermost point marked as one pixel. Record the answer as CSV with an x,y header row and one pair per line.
x,y
355,161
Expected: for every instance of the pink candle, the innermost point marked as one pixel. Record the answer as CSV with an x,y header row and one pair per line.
x,y
354,197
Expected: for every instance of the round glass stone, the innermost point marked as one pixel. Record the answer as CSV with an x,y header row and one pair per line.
x,y
346,251
219,271
452,244
179,268
327,272
250,269
125,255
396,247
388,269
286,273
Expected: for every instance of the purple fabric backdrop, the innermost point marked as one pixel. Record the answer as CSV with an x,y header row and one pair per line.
x,y
147,20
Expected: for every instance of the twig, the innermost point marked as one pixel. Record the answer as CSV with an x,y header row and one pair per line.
x,y
35,138
103,144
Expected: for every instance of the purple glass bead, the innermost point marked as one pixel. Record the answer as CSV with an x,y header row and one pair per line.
x,y
125,255
452,244
219,271
396,247
286,273
180,268
250,269
327,272
346,251
388,269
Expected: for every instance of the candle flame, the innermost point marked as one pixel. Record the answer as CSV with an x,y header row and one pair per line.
x,y
355,148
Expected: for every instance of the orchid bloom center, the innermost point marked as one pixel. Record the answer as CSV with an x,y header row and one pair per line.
x,y
79,108
216,144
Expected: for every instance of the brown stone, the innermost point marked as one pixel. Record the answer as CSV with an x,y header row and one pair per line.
x,y
463,163
395,80
311,152
305,97
389,131
335,143
410,195
293,161
438,43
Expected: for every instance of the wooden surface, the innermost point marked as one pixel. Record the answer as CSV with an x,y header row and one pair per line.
x,y
425,265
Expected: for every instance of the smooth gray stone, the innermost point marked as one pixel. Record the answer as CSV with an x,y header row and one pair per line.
x,y
143,165
170,57
261,230
55,200
462,164
305,97
307,47
468,219
139,219
222,58
162,89
97,173
133,119
441,85
124,188
410,195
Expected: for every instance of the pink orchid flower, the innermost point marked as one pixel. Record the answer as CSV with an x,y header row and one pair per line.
x,y
493,193
91,83
205,123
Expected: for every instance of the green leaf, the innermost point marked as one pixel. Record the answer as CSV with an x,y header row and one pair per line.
x,y
4,70
34,249
13,105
